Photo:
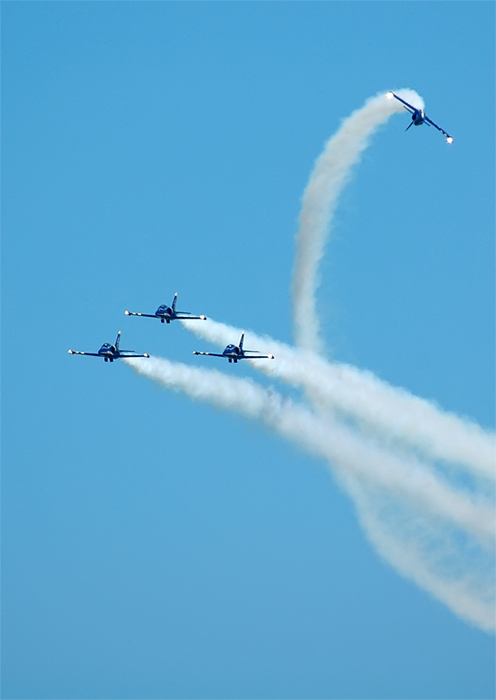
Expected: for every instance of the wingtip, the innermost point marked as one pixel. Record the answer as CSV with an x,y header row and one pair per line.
x,y
71,352
128,313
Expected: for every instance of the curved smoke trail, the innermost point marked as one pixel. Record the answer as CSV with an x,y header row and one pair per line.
x,y
374,402
461,575
371,434
361,467
331,173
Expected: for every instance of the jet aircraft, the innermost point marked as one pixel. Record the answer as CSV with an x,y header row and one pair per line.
x,y
419,117
168,313
110,352
236,352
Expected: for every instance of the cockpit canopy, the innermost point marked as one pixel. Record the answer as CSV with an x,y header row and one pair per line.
x,y
163,310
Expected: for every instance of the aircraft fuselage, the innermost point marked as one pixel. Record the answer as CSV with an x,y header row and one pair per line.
x,y
164,313
418,117
108,352
233,353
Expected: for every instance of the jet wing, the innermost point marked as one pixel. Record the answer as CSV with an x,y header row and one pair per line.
x,y
257,357
407,105
133,355
137,313
81,352
429,121
181,316
213,354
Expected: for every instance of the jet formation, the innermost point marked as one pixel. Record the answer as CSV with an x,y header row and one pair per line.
x,y
233,353
166,314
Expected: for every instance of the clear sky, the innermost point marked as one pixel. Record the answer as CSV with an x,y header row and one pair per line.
x,y
155,547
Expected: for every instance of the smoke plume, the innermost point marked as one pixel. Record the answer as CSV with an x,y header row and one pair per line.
x,y
396,413
331,173
421,479
364,469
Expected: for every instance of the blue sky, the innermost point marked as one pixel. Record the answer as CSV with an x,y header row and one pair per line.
x,y
154,547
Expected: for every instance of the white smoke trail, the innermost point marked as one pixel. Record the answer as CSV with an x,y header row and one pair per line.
x,y
393,411
373,402
355,458
427,529
424,552
328,438
331,173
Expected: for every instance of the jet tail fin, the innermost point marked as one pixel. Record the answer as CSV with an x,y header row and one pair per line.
x,y
118,340
241,340
174,301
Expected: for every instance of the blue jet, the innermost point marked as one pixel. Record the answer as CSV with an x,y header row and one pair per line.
x,y
167,313
110,352
236,352
419,117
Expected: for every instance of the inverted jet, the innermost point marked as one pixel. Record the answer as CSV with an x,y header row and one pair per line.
x,y
166,314
236,352
419,117
110,352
